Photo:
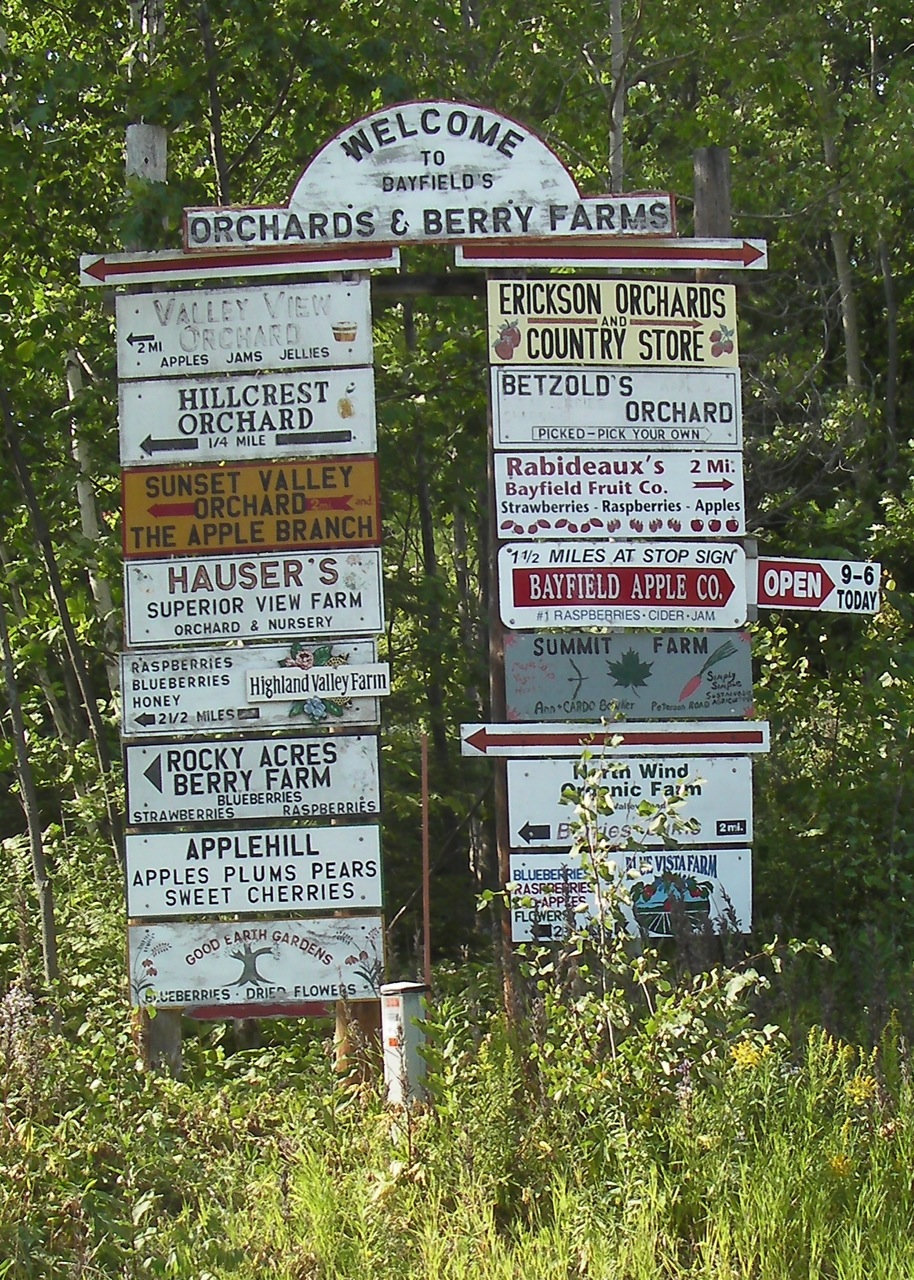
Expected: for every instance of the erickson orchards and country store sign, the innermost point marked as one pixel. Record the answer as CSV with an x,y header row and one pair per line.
x,y
431,172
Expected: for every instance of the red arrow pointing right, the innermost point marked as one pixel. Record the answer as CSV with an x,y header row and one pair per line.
x,y
793,584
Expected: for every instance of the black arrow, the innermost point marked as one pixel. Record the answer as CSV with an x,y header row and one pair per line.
x,y
154,774
161,446
146,719
134,338
535,833
313,437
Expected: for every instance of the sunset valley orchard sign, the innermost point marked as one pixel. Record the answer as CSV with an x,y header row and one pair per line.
x,y
430,172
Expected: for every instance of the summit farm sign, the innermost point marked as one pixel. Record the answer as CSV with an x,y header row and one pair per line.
x,y
431,172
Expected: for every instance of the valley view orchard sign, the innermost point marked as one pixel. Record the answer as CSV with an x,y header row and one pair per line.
x,y
430,172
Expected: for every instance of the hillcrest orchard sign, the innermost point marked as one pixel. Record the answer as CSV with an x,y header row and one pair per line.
x,y
430,172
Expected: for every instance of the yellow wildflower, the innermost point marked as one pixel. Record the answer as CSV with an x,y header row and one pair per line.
x,y
861,1089
745,1054
841,1164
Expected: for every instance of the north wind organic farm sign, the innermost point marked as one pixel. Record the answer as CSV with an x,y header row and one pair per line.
x,y
430,172
269,962
296,506
642,584
630,408
244,598
281,686
550,896
246,869
637,495
585,676
261,415
717,793
296,326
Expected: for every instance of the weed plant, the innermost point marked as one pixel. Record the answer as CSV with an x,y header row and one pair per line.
x,y
648,1116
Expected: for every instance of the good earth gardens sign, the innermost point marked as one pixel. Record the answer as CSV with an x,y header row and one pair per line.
x,y
431,172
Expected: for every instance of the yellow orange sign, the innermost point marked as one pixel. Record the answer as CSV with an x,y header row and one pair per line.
x,y
639,323
302,506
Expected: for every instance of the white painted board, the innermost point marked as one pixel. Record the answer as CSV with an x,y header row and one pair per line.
x,y
246,869
705,886
241,778
628,408
637,584
718,794
260,415
826,586
253,597
270,962
657,494
236,330
206,691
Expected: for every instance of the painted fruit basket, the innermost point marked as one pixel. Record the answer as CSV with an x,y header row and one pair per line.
x,y
654,902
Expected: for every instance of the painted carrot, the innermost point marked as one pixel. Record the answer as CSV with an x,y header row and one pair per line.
x,y
723,651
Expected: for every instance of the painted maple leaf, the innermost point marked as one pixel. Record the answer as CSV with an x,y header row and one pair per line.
x,y
630,672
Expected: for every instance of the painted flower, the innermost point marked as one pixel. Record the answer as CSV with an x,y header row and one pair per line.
x,y
315,709
302,659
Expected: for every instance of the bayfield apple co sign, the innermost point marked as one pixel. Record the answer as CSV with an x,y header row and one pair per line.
x,y
431,172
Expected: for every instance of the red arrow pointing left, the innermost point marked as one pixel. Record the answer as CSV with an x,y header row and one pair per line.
x,y
488,741
163,509
121,268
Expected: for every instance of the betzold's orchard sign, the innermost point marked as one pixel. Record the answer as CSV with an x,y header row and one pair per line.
x,y
258,597
295,326
264,415
631,408
612,322
430,172
269,962
280,686
641,584
251,506
252,869
716,792
185,782
637,495
660,893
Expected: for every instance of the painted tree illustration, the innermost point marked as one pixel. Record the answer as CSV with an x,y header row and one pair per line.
x,y
249,959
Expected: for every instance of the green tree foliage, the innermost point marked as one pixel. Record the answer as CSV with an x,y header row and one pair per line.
x,y
813,102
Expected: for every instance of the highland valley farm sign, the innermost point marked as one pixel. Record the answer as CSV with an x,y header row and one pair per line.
x,y
286,686
430,172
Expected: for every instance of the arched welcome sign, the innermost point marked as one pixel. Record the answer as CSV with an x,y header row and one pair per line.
x,y
431,173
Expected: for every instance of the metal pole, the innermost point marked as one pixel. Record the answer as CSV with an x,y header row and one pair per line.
x,y
426,873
